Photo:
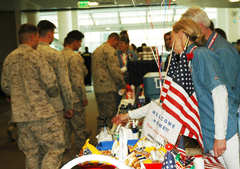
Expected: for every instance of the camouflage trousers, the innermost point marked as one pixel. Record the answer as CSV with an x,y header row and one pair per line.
x,y
106,103
76,125
60,115
46,134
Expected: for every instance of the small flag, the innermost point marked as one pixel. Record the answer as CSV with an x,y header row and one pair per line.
x,y
169,161
181,148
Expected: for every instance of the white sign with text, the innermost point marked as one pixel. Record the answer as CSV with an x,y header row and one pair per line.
x,y
159,125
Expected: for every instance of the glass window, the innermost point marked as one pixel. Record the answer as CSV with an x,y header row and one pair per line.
x,y
133,17
105,18
84,19
94,23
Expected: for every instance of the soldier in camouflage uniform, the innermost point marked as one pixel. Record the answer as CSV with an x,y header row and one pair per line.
x,y
29,81
64,100
106,75
77,71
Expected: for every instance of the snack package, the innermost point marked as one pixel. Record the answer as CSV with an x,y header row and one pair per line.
x,y
89,149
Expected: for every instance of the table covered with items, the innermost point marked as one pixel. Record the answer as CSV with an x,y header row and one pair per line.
x,y
152,148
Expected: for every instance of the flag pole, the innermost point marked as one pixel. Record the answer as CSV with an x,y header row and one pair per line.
x,y
169,60
186,45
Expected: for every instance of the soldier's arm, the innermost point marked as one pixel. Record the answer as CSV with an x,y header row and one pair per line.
x,y
85,71
48,77
77,77
4,79
116,73
64,82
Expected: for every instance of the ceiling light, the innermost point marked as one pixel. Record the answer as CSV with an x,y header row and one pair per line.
x,y
234,0
93,3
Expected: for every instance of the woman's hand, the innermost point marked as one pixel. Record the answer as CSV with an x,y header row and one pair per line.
x,y
219,147
122,118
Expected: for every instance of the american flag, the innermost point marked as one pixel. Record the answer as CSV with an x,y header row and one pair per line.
x,y
168,79
181,148
181,102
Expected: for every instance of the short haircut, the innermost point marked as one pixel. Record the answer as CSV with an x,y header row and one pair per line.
x,y
211,26
44,26
221,32
25,31
113,35
124,38
198,15
123,32
72,36
238,41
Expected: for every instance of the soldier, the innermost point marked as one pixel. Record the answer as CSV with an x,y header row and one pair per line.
x,y
29,81
64,100
106,75
76,72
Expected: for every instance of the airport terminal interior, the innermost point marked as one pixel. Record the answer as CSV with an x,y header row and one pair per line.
x,y
145,22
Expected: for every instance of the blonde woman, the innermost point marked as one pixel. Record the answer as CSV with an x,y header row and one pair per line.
x,y
218,114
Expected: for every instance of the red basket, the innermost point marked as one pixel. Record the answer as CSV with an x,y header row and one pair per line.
x,y
153,165
104,166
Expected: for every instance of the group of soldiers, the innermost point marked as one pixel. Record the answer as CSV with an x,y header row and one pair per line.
x,y
47,94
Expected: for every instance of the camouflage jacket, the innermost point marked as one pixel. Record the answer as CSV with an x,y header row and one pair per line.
x,y
29,80
55,59
76,74
106,71
85,71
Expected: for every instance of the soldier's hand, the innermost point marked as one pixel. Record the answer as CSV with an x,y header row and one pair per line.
x,y
8,99
68,114
85,103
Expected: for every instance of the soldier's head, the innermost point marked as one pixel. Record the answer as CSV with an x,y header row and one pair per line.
x,y
198,15
113,40
74,40
28,34
46,30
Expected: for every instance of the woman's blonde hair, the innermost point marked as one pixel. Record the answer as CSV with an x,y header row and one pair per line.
x,y
192,30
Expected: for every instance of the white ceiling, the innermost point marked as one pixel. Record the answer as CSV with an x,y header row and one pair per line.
x,y
6,5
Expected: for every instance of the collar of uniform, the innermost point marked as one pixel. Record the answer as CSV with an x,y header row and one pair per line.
x,y
42,43
25,46
67,48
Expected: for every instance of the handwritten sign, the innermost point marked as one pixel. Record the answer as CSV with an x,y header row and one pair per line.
x,y
159,125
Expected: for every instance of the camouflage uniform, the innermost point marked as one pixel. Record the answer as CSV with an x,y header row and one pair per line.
x,y
83,66
63,100
106,74
29,80
78,122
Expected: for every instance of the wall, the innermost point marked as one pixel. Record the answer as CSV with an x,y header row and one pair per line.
x,y
8,39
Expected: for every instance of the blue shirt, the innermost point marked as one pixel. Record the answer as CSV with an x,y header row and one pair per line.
x,y
207,74
134,56
229,60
